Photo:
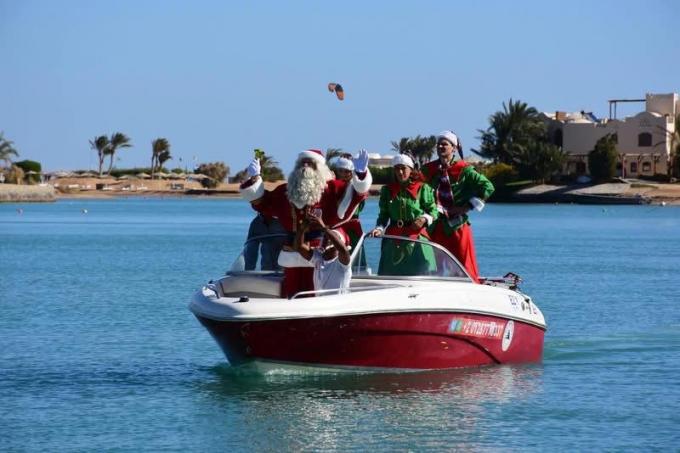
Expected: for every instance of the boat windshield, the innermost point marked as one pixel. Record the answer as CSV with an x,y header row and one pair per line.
x,y
385,256
260,253
396,256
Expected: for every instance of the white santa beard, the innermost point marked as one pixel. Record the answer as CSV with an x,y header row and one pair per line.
x,y
305,187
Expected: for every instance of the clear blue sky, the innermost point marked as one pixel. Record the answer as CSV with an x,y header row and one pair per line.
x,y
218,79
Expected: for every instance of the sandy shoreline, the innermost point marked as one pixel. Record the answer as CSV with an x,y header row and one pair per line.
x,y
86,188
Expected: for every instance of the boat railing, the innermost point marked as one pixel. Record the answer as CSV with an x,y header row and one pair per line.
x,y
364,260
327,292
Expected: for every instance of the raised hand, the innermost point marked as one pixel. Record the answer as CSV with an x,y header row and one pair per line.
x,y
254,168
315,221
361,162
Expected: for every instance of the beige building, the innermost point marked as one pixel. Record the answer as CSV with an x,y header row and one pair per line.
x,y
643,140
376,160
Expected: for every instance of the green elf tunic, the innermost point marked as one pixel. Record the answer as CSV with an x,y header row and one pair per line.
x,y
457,184
466,183
399,206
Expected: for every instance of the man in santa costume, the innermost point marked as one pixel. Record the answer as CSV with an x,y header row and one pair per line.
x,y
311,188
458,188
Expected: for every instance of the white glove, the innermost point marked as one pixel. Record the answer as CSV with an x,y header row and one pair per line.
x,y
361,162
254,168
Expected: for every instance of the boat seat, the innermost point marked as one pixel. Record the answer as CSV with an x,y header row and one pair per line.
x,y
251,285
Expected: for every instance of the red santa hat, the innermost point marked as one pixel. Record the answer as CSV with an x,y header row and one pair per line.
x,y
315,154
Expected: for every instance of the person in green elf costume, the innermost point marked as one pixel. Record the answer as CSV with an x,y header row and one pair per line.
x,y
406,207
458,189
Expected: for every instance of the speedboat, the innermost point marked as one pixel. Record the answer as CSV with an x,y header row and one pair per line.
x,y
419,311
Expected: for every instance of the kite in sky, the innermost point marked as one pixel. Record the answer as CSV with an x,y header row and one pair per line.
x,y
337,88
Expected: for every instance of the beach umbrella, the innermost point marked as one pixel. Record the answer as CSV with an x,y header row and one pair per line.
x,y
143,175
197,176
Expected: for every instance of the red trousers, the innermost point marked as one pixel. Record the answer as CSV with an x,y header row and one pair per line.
x,y
461,245
296,279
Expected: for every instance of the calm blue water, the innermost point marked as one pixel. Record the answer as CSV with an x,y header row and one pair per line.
x,y
99,350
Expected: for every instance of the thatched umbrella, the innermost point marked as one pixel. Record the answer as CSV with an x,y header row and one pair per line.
x,y
143,175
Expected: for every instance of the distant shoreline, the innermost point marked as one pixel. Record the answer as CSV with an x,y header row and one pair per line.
x,y
609,193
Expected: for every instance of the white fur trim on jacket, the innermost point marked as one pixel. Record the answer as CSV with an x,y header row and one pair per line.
x,y
429,219
254,191
345,202
476,203
362,186
293,259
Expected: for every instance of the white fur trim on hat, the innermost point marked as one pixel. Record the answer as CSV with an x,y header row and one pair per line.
x,y
402,159
314,154
449,136
254,191
344,164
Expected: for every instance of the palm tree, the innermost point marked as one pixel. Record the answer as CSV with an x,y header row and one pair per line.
x,y
402,146
7,150
118,140
160,148
421,148
163,157
510,133
101,144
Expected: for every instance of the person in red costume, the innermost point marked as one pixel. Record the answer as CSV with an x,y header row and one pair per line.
x,y
310,188
458,189
343,167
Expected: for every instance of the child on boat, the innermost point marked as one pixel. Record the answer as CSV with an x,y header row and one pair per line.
x,y
332,261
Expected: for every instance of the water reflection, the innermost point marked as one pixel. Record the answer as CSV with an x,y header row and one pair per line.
x,y
333,411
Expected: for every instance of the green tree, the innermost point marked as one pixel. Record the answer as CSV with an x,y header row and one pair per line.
x,y
540,160
160,149
101,144
511,133
500,174
215,172
118,140
602,159
7,150
421,148
31,168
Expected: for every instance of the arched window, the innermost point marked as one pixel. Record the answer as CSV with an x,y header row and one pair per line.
x,y
645,139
